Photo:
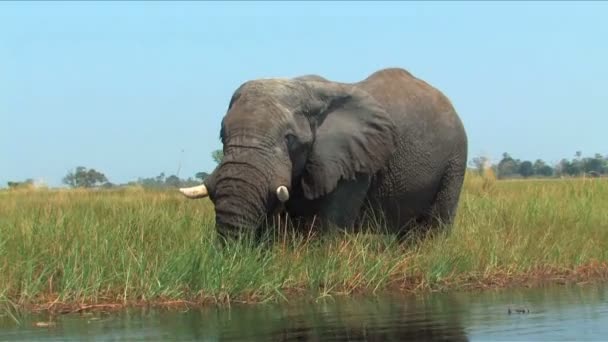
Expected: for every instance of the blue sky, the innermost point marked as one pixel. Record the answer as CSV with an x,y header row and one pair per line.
x,y
133,89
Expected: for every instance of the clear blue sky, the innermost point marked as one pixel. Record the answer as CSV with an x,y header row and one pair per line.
x,y
126,87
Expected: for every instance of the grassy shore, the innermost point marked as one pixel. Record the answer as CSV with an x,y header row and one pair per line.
x,y
76,249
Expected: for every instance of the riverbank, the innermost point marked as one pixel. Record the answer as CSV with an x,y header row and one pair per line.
x,y
76,250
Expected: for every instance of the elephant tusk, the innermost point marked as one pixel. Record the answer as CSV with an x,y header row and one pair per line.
x,y
198,191
282,193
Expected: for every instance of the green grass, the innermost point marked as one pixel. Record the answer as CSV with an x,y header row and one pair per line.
x,y
127,247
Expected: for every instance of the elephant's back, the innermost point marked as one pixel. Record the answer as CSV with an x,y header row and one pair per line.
x,y
430,134
422,113
403,94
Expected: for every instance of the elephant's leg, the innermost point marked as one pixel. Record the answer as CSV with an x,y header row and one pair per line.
x,y
444,206
342,207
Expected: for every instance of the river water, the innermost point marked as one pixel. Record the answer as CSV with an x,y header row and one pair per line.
x,y
558,313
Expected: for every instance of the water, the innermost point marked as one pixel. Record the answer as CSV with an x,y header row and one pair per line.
x,y
555,313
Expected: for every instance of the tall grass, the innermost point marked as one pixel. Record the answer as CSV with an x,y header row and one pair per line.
x,y
70,248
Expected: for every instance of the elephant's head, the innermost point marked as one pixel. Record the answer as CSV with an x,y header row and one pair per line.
x,y
286,135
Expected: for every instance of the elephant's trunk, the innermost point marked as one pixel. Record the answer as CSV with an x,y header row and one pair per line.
x,y
239,206
245,192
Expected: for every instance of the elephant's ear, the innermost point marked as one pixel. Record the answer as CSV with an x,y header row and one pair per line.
x,y
354,135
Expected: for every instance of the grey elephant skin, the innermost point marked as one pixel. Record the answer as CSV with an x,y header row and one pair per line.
x,y
334,153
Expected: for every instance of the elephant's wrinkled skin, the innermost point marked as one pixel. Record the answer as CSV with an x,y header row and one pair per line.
x,y
390,142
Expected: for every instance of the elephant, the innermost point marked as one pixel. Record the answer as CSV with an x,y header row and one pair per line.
x,y
333,152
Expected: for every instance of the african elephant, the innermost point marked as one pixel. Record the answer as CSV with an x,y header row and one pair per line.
x,y
390,143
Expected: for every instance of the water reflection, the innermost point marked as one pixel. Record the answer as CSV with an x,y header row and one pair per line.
x,y
361,319
577,313
386,319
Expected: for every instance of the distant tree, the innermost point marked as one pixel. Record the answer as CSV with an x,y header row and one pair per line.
x,y
570,168
604,164
152,182
538,165
562,167
526,169
576,166
480,163
173,181
83,178
217,156
161,181
507,166
546,171
189,182
107,185
201,175
596,164
15,185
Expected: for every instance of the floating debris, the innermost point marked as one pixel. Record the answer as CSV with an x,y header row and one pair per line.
x,y
518,310
44,324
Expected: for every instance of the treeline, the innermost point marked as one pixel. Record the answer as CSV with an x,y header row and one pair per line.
x,y
26,183
509,167
82,177
171,181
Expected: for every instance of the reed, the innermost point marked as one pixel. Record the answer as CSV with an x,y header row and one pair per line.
x,y
78,249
